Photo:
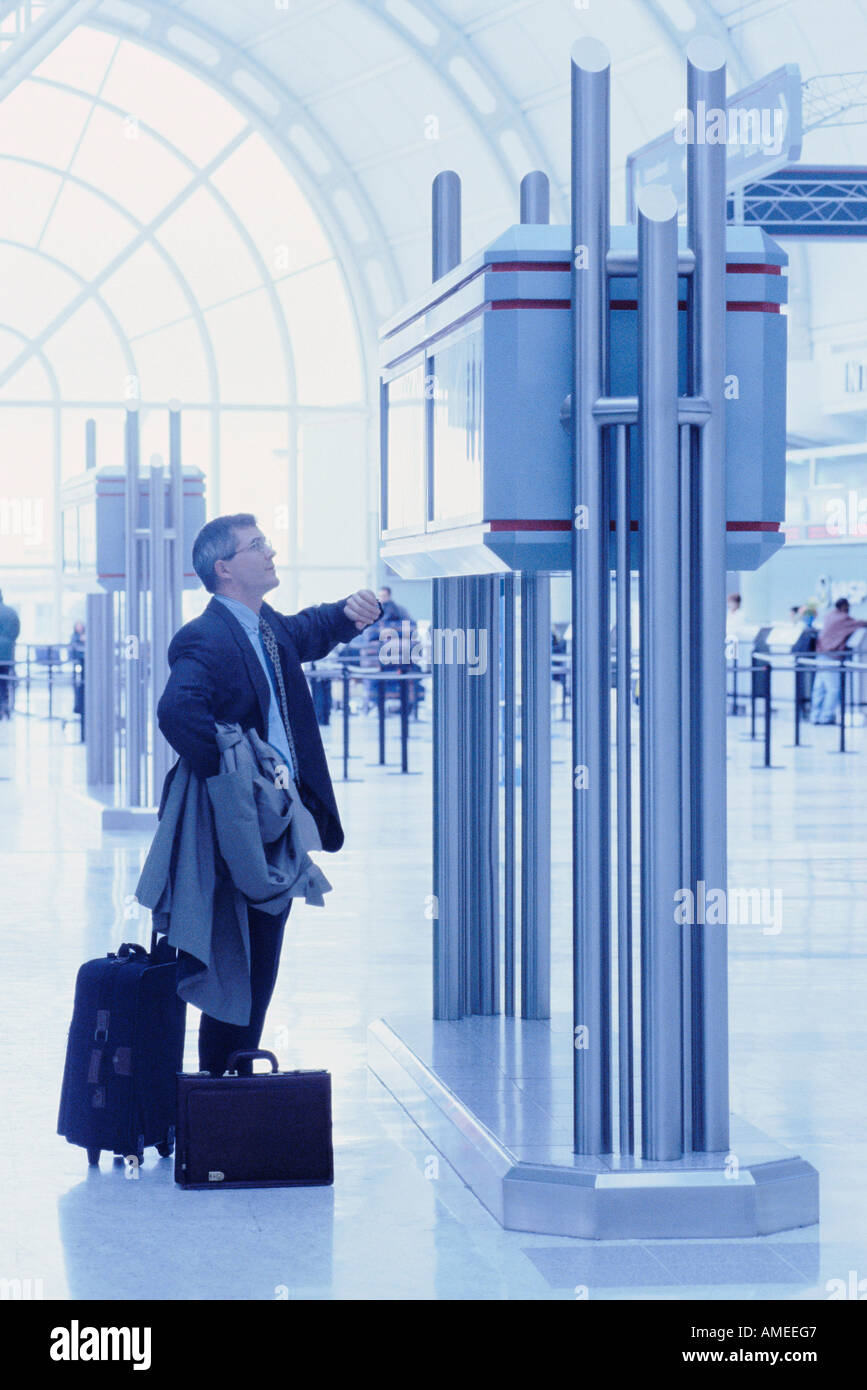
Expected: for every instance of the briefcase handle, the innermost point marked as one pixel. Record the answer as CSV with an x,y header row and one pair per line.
x,y
235,1057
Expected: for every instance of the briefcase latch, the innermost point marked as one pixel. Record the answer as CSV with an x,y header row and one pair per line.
x,y
216,1176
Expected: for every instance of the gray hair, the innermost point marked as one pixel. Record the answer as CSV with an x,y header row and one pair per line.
x,y
217,541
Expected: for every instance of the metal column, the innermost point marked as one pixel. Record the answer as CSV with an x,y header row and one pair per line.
x,y
661,802
509,697
625,1042
483,793
160,607
535,796
535,739
99,694
590,601
449,800
706,230
133,685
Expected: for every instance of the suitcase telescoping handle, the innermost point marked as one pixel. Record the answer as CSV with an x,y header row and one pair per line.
x,y
131,950
231,1065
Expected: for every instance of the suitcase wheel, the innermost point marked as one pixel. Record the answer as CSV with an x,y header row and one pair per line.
x,y
166,1149
93,1157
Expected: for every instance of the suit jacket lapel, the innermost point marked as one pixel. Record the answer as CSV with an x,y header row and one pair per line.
x,y
251,661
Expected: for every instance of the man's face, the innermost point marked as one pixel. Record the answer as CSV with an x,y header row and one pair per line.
x,y
251,568
383,596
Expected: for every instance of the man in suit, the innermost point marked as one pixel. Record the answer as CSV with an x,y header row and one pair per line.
x,y
240,662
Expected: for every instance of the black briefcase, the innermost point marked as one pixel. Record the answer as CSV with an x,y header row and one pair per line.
x,y
268,1129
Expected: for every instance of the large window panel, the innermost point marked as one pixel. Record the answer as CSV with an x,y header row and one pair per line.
x,y
28,194
144,293
171,362
332,492
81,59
250,358
30,383
33,292
129,164
324,336
100,371
187,111
216,265
254,469
85,231
27,498
42,123
276,213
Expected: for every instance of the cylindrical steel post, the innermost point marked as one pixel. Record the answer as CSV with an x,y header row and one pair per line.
x,y
509,790
160,604
132,616
535,796
90,444
178,560
706,233
535,198
99,717
446,228
590,603
661,866
345,713
479,677
449,787
625,1062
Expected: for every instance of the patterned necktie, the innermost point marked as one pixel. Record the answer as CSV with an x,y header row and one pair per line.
x,y
269,642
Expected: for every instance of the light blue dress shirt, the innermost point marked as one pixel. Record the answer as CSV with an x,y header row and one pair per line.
x,y
276,733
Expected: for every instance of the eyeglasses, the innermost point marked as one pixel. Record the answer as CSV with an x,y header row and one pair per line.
x,y
261,544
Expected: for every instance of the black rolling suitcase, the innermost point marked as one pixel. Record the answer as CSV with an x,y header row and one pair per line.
x,y
126,1046
271,1129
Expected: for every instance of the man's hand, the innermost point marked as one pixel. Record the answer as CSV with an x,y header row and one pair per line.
x,y
363,608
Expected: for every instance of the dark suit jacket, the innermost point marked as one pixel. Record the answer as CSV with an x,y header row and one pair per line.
x,y
215,674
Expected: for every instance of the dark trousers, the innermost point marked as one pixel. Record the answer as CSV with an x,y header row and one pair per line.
x,y
217,1041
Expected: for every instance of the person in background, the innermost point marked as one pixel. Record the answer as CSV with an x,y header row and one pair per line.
x,y
734,616
75,647
830,646
392,613
10,626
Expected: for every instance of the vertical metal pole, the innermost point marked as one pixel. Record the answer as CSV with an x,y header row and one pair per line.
x,y
90,443
706,231
345,713
535,796
590,602
99,693
535,198
624,796
178,559
661,866
132,618
482,767
509,789
688,563
449,848
535,739
446,223
160,604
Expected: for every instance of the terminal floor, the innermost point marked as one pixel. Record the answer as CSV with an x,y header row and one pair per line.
x,y
397,1224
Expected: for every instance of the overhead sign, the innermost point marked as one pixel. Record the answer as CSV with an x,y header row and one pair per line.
x,y
761,128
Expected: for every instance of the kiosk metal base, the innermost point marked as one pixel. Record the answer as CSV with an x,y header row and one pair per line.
x,y
493,1095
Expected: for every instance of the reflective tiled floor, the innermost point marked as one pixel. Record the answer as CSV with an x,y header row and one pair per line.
x,y
399,1224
